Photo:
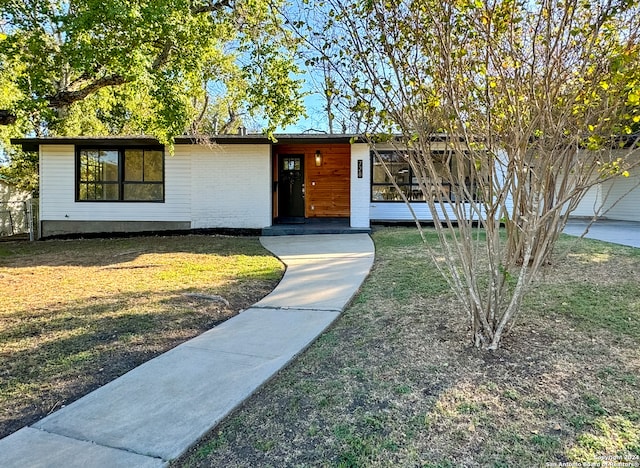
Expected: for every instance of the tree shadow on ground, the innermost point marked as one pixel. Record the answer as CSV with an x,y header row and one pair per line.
x,y
63,354
105,252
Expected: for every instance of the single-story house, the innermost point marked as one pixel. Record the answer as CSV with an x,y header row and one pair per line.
x,y
243,182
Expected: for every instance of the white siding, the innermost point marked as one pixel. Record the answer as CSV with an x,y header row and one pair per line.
x,y
57,189
589,203
360,187
231,186
621,197
617,198
57,181
399,211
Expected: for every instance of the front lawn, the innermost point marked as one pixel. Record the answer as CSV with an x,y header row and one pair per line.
x,y
74,315
395,383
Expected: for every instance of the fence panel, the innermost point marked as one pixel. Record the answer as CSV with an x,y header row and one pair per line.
x,y
19,219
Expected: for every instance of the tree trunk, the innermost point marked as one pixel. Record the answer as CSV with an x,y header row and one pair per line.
x,y
7,117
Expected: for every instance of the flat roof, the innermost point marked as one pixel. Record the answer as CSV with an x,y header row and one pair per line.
x,y
32,144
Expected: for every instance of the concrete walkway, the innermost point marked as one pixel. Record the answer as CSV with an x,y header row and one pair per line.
x,y
616,232
154,413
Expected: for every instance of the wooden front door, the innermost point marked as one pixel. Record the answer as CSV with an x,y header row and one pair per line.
x,y
291,188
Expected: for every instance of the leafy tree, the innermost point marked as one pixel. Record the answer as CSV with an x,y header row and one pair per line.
x,y
507,111
23,171
96,67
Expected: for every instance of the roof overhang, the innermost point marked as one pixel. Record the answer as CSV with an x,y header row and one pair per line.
x,y
33,144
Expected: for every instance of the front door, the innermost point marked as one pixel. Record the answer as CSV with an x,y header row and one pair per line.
x,y
291,189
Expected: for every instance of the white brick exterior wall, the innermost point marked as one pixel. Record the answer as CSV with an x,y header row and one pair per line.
x,y
225,186
231,186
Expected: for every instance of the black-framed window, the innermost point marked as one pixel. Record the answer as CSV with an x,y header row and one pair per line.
x,y
399,171
120,174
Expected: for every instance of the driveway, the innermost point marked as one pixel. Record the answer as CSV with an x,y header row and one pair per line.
x,y
616,232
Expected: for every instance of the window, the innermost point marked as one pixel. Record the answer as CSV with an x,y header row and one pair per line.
x,y
382,187
291,164
400,172
125,174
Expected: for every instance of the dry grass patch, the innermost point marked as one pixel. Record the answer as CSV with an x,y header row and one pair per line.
x,y
76,314
395,382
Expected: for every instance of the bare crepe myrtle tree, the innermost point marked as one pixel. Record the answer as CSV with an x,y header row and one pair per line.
x,y
505,113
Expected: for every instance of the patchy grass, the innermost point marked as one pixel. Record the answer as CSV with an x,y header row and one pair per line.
x,y
76,314
395,382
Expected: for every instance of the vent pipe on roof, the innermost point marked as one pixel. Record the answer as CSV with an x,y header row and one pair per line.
x,y
242,131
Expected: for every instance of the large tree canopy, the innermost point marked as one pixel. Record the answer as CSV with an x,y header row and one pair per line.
x,y
159,67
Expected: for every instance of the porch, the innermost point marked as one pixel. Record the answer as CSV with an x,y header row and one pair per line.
x,y
315,226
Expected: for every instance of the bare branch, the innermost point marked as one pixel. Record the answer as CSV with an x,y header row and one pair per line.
x,y
210,7
163,56
65,98
7,117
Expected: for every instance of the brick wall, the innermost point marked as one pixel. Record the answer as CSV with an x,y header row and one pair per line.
x,y
231,186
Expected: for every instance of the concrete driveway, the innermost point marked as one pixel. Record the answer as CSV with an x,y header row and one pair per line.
x,y
616,232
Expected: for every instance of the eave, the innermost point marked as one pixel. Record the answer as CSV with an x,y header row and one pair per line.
x,y
33,144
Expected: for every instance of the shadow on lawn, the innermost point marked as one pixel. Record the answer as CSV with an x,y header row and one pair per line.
x,y
53,360
379,390
106,252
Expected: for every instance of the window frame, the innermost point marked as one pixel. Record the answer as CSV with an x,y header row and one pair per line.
x,y
121,182
374,184
411,185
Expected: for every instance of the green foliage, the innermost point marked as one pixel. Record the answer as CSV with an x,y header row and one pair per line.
x,y
583,301
615,437
545,442
23,171
488,65
155,67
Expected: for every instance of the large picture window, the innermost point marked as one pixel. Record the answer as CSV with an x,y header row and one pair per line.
x,y
124,174
400,172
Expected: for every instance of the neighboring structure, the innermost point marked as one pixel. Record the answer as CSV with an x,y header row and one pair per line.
x,y
617,198
133,184
13,209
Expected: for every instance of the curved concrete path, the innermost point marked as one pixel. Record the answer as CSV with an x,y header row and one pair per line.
x,y
155,412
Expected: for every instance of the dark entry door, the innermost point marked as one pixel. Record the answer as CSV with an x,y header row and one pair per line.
x,y
291,189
